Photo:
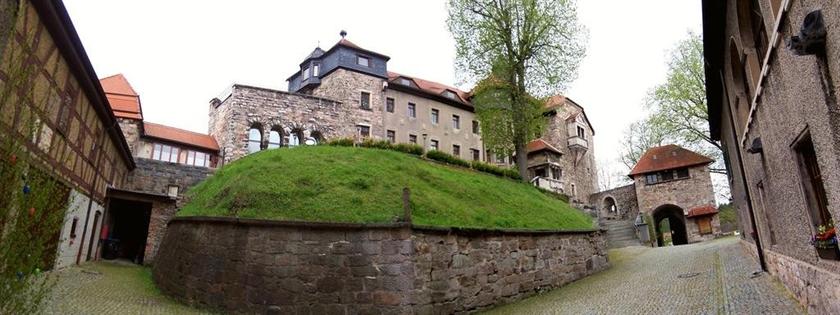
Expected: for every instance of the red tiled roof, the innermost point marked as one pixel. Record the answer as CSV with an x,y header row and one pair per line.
x,y
702,210
430,87
667,157
124,101
180,136
539,145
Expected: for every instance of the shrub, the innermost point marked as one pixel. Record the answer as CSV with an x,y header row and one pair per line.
x,y
341,142
495,170
412,149
376,144
446,158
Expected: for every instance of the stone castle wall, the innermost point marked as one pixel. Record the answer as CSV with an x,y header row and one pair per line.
x,y
625,200
580,172
688,193
258,266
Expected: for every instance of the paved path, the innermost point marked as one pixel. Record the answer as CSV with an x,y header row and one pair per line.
x,y
715,280
110,288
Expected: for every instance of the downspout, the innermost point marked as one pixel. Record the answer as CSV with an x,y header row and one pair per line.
x,y
756,235
93,190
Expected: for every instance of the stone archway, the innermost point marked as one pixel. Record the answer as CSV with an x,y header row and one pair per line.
x,y
676,222
609,208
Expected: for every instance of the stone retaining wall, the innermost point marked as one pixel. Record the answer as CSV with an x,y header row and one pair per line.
x,y
258,266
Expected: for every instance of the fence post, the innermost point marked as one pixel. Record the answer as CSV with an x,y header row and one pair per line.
x,y
406,199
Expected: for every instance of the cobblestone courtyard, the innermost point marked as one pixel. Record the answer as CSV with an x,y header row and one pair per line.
x,y
706,278
716,279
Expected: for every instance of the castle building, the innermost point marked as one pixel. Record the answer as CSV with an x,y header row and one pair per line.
x,y
348,92
669,183
772,69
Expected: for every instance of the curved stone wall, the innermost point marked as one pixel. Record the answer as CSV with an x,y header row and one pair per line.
x,y
258,266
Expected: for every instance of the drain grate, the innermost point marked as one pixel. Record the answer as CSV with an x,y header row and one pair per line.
x,y
688,275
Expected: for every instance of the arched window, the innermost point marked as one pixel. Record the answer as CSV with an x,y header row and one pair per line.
x,y
753,35
743,95
295,138
274,139
315,137
254,139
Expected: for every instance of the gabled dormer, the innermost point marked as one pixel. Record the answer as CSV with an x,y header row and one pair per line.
x,y
343,55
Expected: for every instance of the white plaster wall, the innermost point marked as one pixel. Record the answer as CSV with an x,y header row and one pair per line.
x,y
68,247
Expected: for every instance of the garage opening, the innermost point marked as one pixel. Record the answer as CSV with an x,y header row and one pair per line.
x,y
128,230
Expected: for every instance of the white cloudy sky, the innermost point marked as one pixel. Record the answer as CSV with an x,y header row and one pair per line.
x,y
180,54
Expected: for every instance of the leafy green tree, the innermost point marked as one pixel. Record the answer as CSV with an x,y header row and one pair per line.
x,y
678,111
520,50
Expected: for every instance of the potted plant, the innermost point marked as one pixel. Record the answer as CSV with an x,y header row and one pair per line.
x,y
825,241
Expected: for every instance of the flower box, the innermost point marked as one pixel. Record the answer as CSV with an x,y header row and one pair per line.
x,y
825,242
831,253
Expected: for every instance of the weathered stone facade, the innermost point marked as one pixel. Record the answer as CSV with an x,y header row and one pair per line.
x,y
259,266
577,161
624,198
246,106
769,100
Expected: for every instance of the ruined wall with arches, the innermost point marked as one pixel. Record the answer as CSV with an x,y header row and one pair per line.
x,y
617,203
248,119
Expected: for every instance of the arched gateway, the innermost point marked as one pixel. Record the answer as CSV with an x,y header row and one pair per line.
x,y
676,222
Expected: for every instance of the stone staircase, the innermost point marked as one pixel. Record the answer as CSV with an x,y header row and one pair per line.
x,y
620,233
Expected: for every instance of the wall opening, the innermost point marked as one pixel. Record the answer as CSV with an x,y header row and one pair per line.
x,y
669,221
129,230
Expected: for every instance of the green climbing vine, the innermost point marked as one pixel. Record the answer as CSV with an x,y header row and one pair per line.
x,y
32,202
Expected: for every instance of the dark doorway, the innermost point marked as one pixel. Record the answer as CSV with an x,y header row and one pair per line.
x,y
672,218
129,229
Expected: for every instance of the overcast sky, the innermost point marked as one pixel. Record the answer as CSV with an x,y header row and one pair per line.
x,y
180,54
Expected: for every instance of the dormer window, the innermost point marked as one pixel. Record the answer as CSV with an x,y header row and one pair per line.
x,y
449,94
405,81
316,69
305,73
363,61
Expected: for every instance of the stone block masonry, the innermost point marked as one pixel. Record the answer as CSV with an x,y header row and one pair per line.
x,y
258,266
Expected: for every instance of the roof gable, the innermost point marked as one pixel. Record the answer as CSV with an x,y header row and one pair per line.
x,y
541,145
668,157
123,99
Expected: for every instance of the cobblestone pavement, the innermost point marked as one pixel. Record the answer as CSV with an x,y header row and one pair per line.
x,y
706,278
110,288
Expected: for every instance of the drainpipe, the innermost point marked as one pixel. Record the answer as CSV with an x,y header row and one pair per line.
x,y
93,190
746,187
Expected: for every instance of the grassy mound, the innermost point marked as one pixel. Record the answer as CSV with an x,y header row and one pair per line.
x,y
340,184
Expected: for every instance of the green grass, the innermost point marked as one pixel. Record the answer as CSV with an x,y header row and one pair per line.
x,y
341,184
727,214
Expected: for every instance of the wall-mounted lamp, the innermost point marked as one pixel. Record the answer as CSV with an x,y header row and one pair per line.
x,y
756,146
811,38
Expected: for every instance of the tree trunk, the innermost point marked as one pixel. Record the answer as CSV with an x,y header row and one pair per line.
x,y
522,161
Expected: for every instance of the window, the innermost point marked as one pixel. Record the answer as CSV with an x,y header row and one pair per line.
x,y
539,172
73,227
172,191
667,175
363,131
254,139
305,73
449,94
294,138
389,105
812,182
556,172
705,225
652,178
456,122
198,158
392,136
412,139
475,126
581,132
456,150
476,154
162,152
405,81
274,141
316,69
682,173
412,110
435,114
433,145
363,61
364,100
